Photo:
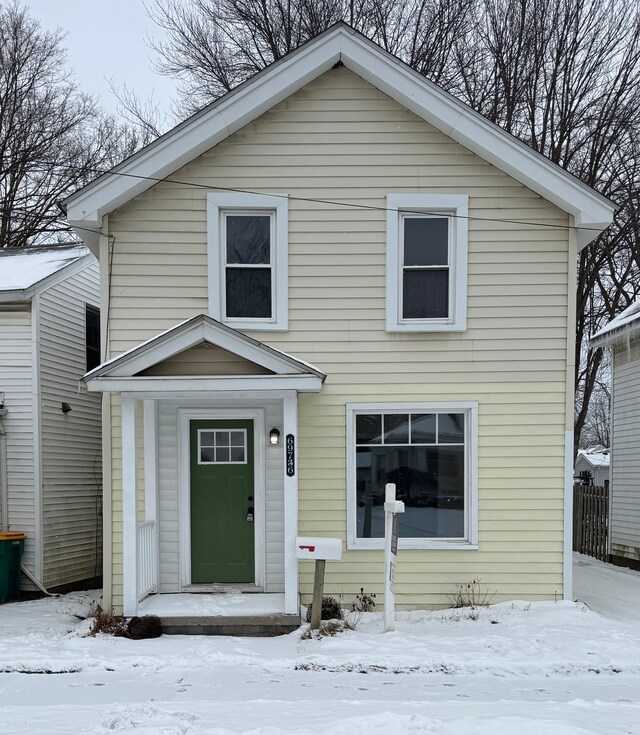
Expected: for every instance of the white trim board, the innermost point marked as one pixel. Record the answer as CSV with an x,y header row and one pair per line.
x,y
86,208
185,416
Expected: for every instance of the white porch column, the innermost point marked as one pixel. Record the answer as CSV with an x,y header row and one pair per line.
x,y
151,480
129,509
290,427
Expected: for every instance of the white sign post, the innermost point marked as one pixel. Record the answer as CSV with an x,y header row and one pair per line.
x,y
391,509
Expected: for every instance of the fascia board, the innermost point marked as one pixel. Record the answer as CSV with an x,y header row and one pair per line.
x,y
164,384
626,333
487,140
201,132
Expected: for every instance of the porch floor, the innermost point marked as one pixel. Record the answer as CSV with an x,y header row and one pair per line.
x,y
220,614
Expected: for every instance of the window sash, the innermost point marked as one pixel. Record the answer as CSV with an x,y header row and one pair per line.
x,y
227,266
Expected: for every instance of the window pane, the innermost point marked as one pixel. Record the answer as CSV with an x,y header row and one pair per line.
x,y
429,480
248,239
237,454
206,438
222,438
396,429
423,428
222,454
425,294
249,292
451,428
206,454
237,439
426,240
369,429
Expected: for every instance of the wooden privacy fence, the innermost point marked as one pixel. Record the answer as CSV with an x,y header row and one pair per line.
x,y
591,520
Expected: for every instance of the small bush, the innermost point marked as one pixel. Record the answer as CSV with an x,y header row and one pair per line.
x,y
364,602
471,594
147,626
331,610
103,621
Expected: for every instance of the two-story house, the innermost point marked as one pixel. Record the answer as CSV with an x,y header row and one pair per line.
x,y
335,277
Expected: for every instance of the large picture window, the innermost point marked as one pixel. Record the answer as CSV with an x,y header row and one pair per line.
x,y
426,262
247,253
428,452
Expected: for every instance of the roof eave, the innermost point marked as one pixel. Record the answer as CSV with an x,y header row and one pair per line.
x,y
619,336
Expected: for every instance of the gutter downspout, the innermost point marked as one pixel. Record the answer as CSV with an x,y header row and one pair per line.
x,y
4,499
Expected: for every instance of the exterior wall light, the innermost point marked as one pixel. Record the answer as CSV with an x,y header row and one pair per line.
x,y
65,407
274,436
1,399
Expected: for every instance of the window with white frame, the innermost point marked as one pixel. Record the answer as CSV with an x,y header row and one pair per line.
x,y
429,452
247,252
426,262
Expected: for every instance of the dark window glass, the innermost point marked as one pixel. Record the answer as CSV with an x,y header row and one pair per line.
x,y
451,428
426,241
248,293
429,480
248,239
92,337
396,428
423,428
425,294
368,429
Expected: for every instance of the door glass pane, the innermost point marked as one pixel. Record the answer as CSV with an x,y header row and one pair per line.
x,y
206,438
206,454
426,240
237,454
425,294
237,439
222,438
222,454
220,450
248,239
248,292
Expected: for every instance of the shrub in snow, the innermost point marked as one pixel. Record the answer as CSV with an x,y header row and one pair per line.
x,y
147,626
331,610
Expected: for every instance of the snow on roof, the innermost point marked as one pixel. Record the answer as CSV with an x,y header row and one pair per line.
x,y
620,324
596,459
21,268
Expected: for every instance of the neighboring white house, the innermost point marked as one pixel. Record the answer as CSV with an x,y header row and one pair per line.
x,y
622,335
595,461
50,432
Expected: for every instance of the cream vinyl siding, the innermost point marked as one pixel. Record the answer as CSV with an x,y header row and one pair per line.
x,y
16,381
206,359
71,443
340,139
625,461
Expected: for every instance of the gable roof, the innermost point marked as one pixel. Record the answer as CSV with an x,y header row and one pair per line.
x,y
188,334
340,43
594,458
29,270
625,326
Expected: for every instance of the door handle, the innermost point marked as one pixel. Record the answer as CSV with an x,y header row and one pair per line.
x,y
250,514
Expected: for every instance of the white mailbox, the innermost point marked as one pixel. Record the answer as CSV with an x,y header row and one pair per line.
x,y
311,547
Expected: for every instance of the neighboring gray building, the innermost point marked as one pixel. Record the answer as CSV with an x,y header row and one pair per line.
x,y
50,431
622,335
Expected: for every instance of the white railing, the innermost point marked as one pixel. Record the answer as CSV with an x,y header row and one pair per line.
x,y
147,573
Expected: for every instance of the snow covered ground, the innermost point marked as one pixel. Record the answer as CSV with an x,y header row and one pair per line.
x,y
527,669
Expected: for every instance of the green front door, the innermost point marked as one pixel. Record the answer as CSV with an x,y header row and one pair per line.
x,y
222,501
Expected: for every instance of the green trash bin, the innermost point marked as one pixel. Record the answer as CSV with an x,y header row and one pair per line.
x,y
11,548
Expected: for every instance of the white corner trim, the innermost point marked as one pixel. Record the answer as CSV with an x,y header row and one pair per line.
x,y
278,204
457,207
185,416
470,541
36,407
567,587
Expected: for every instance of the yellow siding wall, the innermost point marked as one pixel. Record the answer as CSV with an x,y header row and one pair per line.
x,y
341,139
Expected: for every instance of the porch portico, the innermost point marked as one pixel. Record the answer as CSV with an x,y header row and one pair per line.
x,y
209,502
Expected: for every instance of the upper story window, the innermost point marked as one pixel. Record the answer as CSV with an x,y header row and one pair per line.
x,y
247,244
426,262
92,336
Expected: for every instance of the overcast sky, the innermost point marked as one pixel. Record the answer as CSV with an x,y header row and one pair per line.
x,y
106,39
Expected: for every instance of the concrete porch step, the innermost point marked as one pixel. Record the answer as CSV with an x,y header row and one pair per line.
x,y
239,625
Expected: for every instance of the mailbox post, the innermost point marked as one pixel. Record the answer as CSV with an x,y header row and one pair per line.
x,y
391,509
321,550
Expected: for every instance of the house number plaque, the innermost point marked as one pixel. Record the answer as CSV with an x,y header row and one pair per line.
x,y
291,455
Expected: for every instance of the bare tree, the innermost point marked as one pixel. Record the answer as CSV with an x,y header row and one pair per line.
x,y
52,137
561,75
